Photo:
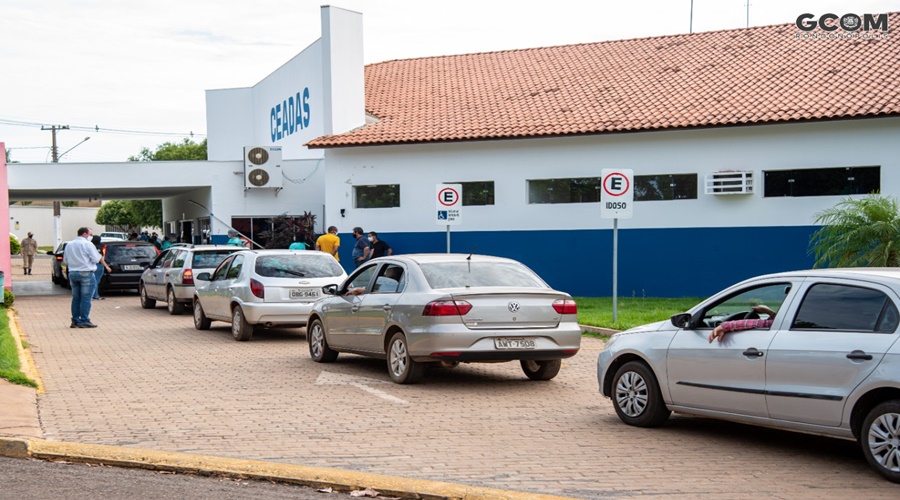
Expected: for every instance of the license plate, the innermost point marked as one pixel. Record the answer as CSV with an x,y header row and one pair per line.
x,y
514,343
303,294
131,267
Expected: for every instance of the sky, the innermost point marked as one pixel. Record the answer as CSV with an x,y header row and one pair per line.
x,y
138,70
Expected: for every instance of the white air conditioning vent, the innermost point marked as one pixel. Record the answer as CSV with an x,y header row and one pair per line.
x,y
262,167
730,182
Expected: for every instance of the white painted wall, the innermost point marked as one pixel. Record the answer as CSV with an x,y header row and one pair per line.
x,y
343,70
39,220
510,163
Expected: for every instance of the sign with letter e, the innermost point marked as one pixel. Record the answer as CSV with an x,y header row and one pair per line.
x,y
617,195
449,204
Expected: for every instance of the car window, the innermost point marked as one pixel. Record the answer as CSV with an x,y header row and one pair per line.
x,y
477,274
222,270
209,259
123,253
168,259
158,262
389,280
180,256
840,307
306,265
741,304
237,264
361,278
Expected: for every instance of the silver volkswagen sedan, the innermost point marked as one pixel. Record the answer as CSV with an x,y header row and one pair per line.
x,y
445,308
809,351
263,287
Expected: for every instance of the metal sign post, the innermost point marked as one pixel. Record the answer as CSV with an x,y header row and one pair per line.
x,y
448,207
616,200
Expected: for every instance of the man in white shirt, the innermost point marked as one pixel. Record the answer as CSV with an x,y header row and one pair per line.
x,y
81,258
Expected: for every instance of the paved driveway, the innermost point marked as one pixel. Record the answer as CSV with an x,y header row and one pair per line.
x,y
149,380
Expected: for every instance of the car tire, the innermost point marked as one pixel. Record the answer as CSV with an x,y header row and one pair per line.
x,y
636,397
175,308
318,345
201,322
878,439
541,370
240,329
146,301
402,368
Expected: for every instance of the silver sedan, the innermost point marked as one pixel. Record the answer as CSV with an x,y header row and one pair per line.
x,y
263,287
808,351
445,308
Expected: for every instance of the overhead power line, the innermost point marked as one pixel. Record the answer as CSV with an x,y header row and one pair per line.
x,y
100,130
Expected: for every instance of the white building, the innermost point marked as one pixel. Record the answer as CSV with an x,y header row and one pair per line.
x,y
800,122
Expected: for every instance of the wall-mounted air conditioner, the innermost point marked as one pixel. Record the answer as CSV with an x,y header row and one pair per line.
x,y
262,167
729,182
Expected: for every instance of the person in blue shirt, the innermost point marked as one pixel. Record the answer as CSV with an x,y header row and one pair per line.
x,y
297,245
362,250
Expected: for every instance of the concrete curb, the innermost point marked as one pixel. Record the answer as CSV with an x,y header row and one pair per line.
x,y
26,362
597,329
252,469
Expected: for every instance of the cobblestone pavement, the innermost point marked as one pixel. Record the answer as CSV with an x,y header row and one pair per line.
x,y
146,379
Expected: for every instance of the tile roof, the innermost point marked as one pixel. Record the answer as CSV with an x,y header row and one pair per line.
x,y
720,78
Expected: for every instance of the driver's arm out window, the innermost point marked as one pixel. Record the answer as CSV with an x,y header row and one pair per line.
x,y
740,306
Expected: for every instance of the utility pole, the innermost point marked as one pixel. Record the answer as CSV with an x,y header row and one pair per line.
x,y
57,209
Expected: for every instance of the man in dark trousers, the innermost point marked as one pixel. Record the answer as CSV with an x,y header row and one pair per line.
x,y
379,247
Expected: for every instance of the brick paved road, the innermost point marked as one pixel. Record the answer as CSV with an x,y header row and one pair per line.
x,y
149,380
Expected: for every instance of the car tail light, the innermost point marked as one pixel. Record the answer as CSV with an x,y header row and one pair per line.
x,y
257,289
59,258
447,308
566,306
103,250
187,277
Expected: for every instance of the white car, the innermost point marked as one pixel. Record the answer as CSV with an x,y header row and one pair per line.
x,y
819,355
113,236
263,287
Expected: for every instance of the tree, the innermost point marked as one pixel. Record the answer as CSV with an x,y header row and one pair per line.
x,y
115,213
149,212
858,233
285,228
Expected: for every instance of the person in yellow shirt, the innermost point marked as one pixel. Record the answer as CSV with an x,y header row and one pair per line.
x,y
329,242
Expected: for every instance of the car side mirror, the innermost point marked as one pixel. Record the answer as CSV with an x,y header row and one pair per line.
x,y
203,277
330,289
682,320
50,252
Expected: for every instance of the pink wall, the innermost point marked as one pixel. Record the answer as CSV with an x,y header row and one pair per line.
x,y
4,215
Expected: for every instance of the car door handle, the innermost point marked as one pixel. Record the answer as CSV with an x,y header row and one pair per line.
x,y
753,352
859,355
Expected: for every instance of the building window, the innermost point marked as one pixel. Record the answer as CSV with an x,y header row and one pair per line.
x,y
253,227
822,181
476,193
580,190
382,196
665,187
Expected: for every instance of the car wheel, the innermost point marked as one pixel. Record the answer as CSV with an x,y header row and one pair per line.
x,y
636,396
880,439
175,308
318,346
402,369
146,302
240,329
541,370
201,322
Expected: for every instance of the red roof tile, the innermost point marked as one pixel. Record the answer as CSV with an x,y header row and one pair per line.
x,y
720,78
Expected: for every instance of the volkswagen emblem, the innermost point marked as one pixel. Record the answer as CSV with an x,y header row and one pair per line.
x,y
513,307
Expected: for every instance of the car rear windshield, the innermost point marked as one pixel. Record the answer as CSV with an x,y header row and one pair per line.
x,y
476,274
209,259
118,253
298,265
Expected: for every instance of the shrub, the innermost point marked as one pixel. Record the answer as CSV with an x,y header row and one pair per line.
x,y
8,298
14,247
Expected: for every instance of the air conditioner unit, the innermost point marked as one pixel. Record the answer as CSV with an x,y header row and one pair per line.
x,y
730,182
262,167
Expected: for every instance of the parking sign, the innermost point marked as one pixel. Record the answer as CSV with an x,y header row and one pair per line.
x,y
617,195
449,204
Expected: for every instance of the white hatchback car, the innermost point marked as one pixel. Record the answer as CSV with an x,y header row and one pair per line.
x,y
264,287
821,356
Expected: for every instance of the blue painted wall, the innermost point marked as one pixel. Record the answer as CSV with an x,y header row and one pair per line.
x,y
685,262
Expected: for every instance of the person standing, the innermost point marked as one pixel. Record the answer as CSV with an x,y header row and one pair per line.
x,y
28,250
361,249
380,248
81,260
235,239
329,243
297,245
101,267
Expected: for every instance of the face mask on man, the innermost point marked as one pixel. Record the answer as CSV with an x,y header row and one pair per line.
x,y
371,238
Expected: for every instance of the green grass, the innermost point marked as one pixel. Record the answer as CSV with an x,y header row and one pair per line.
x,y
9,357
631,311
